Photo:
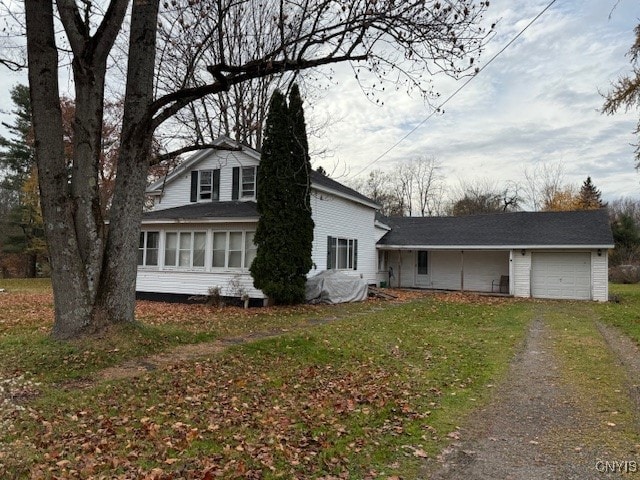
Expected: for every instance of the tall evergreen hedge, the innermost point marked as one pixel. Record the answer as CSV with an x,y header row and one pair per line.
x,y
285,230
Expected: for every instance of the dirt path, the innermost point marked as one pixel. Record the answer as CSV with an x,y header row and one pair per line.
x,y
513,438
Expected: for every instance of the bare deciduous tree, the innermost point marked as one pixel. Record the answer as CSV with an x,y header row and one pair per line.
x,y
94,268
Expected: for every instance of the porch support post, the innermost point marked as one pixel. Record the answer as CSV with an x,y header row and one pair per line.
x,y
462,270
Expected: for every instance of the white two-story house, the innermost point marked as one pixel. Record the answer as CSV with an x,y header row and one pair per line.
x,y
199,232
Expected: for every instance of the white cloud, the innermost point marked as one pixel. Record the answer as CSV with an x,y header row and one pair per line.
x,y
539,100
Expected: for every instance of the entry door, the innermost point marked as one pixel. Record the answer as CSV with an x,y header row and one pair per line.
x,y
422,268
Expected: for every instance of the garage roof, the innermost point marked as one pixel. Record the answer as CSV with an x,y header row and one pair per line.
x,y
518,229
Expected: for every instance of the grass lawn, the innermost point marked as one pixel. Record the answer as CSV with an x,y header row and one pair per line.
x,y
369,395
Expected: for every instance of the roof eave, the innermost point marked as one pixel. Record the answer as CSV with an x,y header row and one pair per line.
x,y
492,247
322,188
175,221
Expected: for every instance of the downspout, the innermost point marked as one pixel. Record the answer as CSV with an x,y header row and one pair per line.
x,y
400,270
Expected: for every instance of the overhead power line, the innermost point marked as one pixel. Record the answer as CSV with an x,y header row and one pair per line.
x,y
469,80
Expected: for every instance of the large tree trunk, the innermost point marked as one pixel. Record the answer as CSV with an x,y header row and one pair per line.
x,y
72,306
116,297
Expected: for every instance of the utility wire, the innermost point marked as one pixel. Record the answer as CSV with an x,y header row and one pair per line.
x,y
469,80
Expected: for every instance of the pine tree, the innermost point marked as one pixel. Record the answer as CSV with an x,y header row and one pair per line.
x,y
24,230
285,229
589,197
16,153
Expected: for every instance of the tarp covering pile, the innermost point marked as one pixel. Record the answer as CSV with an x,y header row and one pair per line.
x,y
333,286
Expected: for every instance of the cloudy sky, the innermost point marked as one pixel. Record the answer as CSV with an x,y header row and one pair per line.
x,y
537,102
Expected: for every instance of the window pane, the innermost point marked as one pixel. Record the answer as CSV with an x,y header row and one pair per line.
x,y
140,256
422,263
249,249
141,242
206,183
171,240
235,241
152,243
235,249
219,247
184,259
152,257
342,253
153,239
199,242
248,181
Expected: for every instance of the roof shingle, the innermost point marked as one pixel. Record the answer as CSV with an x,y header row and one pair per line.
x,y
579,228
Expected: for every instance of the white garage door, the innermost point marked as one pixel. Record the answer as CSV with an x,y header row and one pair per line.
x,y
561,275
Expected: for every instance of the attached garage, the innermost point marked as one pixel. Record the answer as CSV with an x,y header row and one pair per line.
x,y
557,255
561,275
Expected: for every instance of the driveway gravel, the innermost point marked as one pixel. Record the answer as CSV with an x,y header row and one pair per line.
x,y
515,437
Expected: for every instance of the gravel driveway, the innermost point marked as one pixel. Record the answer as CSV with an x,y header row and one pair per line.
x,y
515,436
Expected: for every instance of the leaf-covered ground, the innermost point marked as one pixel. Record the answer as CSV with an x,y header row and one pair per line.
x,y
353,391
361,391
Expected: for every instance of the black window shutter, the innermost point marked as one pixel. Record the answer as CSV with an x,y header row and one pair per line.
x,y
215,195
194,186
355,254
235,186
330,242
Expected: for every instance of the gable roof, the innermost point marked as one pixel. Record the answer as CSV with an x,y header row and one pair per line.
x,y
224,144
205,211
322,182
518,229
318,181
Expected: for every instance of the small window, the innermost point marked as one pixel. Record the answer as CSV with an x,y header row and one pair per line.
x,y
382,260
206,184
342,253
423,262
148,248
248,182
219,249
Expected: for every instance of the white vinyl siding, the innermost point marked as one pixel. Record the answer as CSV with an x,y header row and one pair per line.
x,y
177,192
600,275
483,269
340,218
521,273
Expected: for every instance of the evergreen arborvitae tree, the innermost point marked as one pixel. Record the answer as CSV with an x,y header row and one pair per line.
x,y
302,238
285,229
589,197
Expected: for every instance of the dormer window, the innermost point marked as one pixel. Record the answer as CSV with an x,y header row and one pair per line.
x,y
244,183
248,182
205,185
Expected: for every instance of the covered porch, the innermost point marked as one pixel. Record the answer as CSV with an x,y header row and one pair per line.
x,y
486,270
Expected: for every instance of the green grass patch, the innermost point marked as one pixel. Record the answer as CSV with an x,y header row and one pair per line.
x,y
595,380
625,314
26,285
365,396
